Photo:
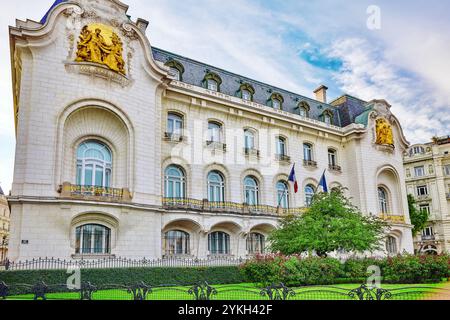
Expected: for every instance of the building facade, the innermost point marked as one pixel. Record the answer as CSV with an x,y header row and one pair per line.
x,y
127,150
4,226
427,170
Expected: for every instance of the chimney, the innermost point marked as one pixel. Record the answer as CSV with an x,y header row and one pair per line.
x,y
321,93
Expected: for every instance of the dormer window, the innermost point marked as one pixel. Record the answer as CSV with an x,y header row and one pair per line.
x,y
212,82
246,92
303,109
276,101
327,117
176,69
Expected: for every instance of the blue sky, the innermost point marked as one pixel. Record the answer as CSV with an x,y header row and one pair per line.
x,y
294,44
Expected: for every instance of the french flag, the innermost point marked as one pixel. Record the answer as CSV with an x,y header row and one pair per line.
x,y
293,178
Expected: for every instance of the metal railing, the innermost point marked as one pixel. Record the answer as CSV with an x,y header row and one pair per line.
x,y
335,168
428,238
393,218
283,157
215,145
174,137
251,152
117,262
202,291
78,190
310,163
227,207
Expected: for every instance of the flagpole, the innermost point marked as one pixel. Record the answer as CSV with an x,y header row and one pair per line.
x,y
317,189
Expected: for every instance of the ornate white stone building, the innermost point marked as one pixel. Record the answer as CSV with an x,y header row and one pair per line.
x,y
427,169
4,226
186,159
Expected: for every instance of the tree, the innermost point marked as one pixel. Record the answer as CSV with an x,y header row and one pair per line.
x,y
419,218
331,223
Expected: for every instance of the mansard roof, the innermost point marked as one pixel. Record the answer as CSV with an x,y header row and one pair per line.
x,y
195,72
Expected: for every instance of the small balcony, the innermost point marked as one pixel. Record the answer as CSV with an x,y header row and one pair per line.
x,y
393,218
174,137
335,168
283,158
227,207
91,193
252,152
309,164
215,145
428,237
423,197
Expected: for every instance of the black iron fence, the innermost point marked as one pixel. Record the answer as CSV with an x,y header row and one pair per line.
x,y
203,291
116,262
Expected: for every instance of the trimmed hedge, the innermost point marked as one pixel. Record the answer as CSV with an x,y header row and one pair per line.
x,y
129,276
297,271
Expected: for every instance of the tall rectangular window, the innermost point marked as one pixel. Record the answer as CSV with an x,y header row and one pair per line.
x,y
419,171
422,191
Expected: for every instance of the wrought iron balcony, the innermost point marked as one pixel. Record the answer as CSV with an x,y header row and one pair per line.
x,y
393,218
424,197
428,237
215,145
227,207
283,157
251,152
335,168
92,193
310,163
174,137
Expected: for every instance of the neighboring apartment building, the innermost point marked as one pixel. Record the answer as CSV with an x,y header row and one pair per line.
x,y
427,169
4,226
127,150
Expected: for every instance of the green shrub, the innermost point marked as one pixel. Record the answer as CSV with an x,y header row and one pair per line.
x,y
131,276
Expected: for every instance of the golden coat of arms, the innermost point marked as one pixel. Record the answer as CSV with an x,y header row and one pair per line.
x,y
384,132
99,44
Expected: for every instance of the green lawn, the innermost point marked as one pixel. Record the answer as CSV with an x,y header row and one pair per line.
x,y
252,292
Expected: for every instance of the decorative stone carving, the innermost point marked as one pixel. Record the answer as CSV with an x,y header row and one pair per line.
x,y
384,132
98,43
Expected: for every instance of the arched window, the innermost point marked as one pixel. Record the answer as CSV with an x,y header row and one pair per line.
x,y
391,245
276,101
251,190
332,158
383,200
216,187
249,137
327,117
175,183
94,164
308,152
303,109
212,81
176,69
214,132
246,92
219,243
174,124
309,195
256,243
93,239
177,243
281,146
283,194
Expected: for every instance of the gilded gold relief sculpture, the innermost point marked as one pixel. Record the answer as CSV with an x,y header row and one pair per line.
x,y
99,44
385,135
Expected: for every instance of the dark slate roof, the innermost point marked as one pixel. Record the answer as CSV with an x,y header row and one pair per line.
x,y
195,72
44,19
350,108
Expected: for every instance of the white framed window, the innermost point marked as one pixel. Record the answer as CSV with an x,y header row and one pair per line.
x,y
212,85
428,232
383,200
256,243
447,170
391,245
281,146
419,171
251,191
246,95
276,104
177,243
216,187
94,164
307,152
418,150
309,195
327,119
175,183
174,124
93,239
249,137
303,112
219,243
422,191
214,132
283,194
174,72
425,208
332,157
